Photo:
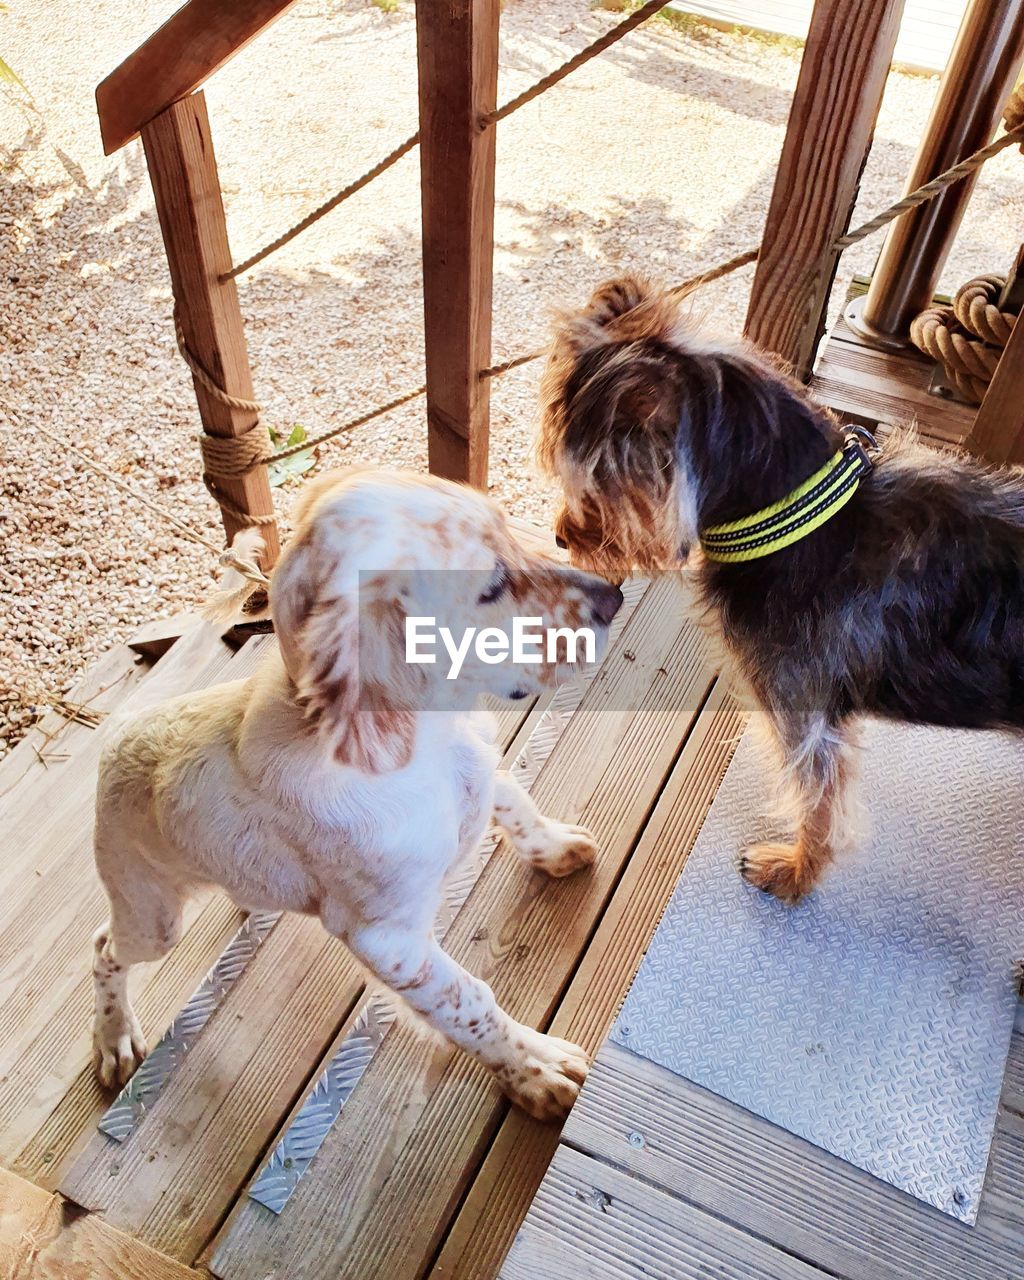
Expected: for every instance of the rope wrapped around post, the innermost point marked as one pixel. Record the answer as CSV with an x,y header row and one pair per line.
x,y
227,457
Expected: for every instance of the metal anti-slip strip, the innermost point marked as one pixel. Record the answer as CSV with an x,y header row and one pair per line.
x,y
299,1144
294,1153
142,1090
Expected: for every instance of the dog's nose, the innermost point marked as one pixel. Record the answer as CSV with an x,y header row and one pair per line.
x,y
607,600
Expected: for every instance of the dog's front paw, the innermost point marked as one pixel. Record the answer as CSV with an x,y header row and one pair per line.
x,y
777,869
560,848
545,1075
118,1048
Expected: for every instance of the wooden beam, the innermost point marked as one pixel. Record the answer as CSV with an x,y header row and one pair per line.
x,y
457,44
177,58
998,434
42,1237
838,92
183,171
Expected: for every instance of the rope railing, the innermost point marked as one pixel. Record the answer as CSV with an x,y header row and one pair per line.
x,y
720,270
598,46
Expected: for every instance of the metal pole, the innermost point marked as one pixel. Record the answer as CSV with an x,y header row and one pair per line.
x,y
979,76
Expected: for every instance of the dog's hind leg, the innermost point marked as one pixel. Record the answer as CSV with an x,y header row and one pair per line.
x,y
817,785
144,924
556,848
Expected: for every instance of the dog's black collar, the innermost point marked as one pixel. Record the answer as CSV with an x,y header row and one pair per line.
x,y
802,511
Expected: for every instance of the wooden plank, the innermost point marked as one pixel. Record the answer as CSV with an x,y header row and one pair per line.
x,y
885,388
36,813
998,434
760,1178
525,936
514,1168
190,46
51,905
457,46
154,639
536,538
183,172
849,43
172,1181
103,686
56,1110
44,1238
590,1219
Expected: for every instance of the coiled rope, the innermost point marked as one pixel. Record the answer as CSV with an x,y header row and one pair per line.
x,y
968,337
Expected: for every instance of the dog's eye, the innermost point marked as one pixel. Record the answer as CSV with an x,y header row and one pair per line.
x,y
496,587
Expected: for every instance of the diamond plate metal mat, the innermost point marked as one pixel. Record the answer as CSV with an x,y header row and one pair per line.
x,y
142,1090
280,1175
873,1019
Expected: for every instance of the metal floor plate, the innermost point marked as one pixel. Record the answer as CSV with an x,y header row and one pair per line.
x,y
874,1019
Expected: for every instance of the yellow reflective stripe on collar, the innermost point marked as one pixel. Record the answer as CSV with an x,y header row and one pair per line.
x,y
802,511
782,506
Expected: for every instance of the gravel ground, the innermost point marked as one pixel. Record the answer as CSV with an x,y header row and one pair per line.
x,y
658,155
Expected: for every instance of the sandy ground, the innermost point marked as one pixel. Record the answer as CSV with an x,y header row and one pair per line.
x,y
659,155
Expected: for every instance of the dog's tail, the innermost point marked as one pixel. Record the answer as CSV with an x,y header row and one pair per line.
x,y
242,582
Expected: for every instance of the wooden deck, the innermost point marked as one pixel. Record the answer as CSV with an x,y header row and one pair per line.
x,y
427,1172
657,1177
885,388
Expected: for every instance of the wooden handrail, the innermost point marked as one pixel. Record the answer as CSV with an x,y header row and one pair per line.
x,y
177,58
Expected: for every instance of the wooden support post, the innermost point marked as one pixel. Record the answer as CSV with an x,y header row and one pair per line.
x,y
838,93
183,171
457,43
998,434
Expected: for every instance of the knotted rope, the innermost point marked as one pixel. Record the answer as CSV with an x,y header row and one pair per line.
x,y
967,338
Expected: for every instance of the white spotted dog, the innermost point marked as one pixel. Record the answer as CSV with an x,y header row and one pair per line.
x,y
333,782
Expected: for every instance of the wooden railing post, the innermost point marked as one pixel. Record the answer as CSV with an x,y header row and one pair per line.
x,y
838,93
457,44
183,171
998,432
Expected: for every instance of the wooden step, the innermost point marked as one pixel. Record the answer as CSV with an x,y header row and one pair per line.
x,y
50,906
388,1190
177,1175
498,1200
42,1237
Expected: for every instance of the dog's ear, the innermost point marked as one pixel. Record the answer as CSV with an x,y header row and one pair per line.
x,y
615,297
345,652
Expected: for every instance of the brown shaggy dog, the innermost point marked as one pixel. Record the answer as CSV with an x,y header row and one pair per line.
x,y
907,603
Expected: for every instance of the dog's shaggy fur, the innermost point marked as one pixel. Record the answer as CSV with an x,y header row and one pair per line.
x,y
908,603
325,785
